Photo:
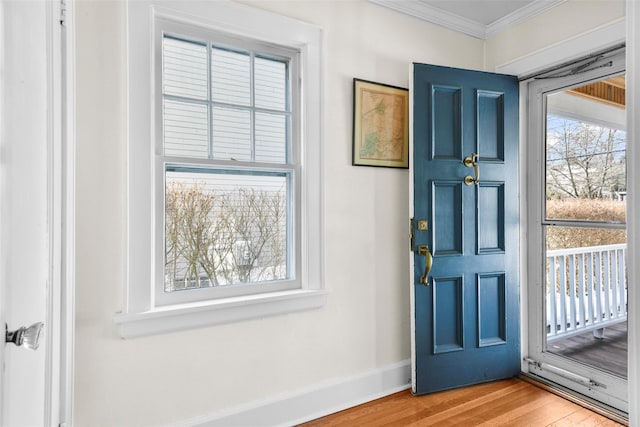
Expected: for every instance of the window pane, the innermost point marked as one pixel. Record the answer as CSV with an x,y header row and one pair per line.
x,y
231,134
583,209
185,129
271,84
224,228
585,159
271,138
184,67
560,237
230,77
586,290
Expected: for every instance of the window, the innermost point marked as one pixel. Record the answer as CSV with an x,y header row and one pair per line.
x,y
228,143
223,167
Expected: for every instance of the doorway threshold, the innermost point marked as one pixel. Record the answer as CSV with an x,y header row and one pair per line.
x,y
577,398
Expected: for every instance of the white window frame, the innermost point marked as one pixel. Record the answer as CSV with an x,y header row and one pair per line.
x,y
291,168
141,315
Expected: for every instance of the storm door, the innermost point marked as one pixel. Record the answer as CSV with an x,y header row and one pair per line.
x,y
577,294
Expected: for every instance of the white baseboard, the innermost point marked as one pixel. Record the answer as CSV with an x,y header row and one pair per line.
x,y
313,402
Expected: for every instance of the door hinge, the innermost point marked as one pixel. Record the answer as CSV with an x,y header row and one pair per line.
x,y
411,234
63,12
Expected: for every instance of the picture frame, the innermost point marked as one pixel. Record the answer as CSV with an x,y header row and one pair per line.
x,y
380,125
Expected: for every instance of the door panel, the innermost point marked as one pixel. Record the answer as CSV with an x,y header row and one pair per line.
x,y
491,125
446,121
466,318
447,227
448,314
490,222
492,319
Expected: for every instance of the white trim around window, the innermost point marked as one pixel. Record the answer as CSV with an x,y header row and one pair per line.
x,y
140,314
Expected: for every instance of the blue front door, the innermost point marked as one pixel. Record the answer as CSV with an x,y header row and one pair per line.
x,y
465,180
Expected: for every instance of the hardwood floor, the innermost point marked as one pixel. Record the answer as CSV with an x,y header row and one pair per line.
x,y
510,402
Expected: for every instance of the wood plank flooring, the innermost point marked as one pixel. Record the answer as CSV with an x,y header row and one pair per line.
x,y
510,402
608,353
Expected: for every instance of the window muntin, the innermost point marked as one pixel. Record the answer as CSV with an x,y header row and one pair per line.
x,y
230,168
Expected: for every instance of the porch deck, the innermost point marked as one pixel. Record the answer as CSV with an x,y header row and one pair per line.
x,y
608,353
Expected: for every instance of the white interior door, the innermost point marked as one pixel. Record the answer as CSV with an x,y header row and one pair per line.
x,y
27,237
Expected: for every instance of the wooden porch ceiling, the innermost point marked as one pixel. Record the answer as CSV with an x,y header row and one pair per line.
x,y
611,91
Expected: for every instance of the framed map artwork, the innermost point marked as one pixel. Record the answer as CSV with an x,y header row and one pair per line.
x,y
380,125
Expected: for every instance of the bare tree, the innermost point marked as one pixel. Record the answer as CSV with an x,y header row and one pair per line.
x,y
584,160
189,225
172,248
224,236
257,217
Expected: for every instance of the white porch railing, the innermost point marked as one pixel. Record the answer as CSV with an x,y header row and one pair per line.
x,y
586,290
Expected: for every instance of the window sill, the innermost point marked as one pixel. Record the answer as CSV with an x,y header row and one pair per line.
x,y
188,316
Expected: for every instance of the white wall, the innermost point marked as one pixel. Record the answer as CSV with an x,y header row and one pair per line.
x,y
563,22
365,324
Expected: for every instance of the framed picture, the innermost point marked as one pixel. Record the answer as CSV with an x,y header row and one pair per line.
x,y
380,125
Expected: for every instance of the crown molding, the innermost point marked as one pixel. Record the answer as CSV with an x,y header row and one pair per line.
x,y
521,15
426,12
435,15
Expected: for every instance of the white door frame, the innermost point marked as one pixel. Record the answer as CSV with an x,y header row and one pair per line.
x,y
66,190
633,205
62,209
60,228
61,182
624,30
61,216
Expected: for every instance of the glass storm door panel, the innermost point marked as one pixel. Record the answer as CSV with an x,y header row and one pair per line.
x,y
577,237
584,226
585,231
466,316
